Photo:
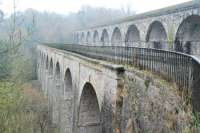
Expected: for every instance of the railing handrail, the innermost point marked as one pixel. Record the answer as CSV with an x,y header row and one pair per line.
x,y
108,46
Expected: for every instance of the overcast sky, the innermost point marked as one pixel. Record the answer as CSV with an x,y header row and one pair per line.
x,y
66,6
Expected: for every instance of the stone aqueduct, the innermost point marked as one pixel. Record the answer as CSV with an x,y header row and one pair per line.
x,y
83,92
176,27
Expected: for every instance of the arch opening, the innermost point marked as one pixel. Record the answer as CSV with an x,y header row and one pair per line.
x,y
96,37
77,38
57,95
88,38
50,89
47,63
89,112
67,105
82,37
132,36
51,67
116,39
188,35
105,38
157,36
43,60
68,83
58,76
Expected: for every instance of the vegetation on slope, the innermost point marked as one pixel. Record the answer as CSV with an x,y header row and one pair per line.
x,y
22,109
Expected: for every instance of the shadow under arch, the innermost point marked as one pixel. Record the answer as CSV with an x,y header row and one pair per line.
x,y
132,36
68,86
95,37
50,89
57,71
88,38
47,62
157,35
105,38
89,111
77,38
51,67
188,35
56,95
67,104
116,39
82,37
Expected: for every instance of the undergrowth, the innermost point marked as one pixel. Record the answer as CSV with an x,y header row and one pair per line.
x,y
22,109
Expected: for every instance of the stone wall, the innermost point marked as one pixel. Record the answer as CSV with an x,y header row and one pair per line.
x,y
152,105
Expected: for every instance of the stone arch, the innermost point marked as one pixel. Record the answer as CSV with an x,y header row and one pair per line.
x,y
88,38
50,88
51,67
132,36
47,62
188,35
77,38
67,105
57,95
96,37
58,72
45,78
89,111
82,37
105,37
68,83
43,60
116,39
157,35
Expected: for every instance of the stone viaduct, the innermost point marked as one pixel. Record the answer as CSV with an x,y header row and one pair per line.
x,y
92,96
175,28
76,83
88,96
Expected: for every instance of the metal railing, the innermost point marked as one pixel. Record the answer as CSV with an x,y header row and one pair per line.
x,y
191,47
180,68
